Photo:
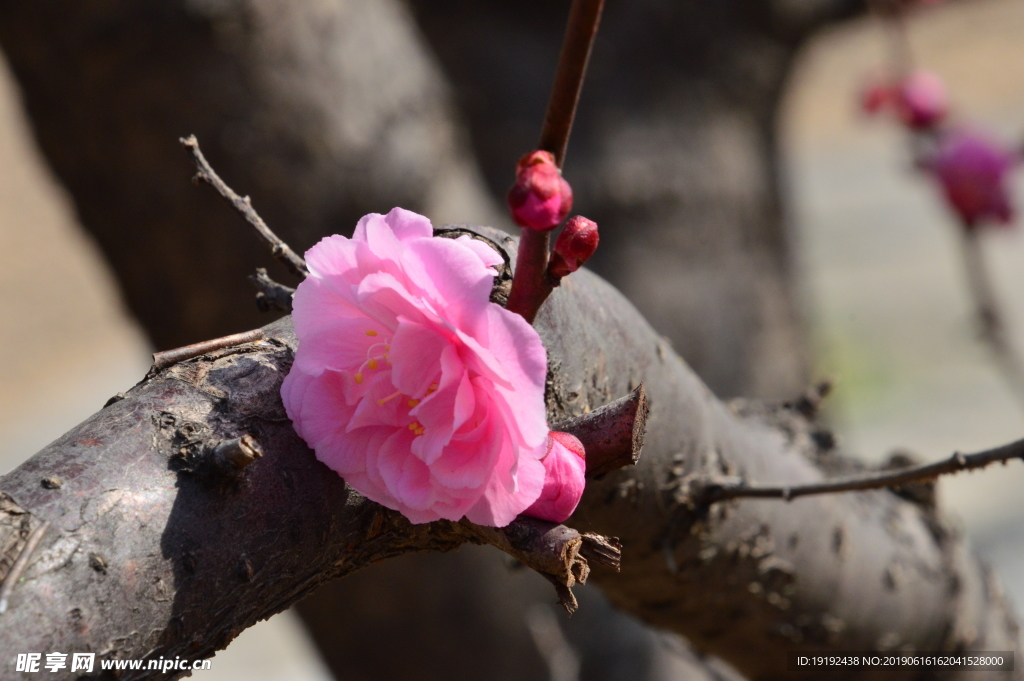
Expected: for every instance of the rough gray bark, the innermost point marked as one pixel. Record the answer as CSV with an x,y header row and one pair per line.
x,y
146,559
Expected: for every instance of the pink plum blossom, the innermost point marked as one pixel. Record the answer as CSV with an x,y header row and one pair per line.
x,y
565,466
409,383
540,199
974,173
921,100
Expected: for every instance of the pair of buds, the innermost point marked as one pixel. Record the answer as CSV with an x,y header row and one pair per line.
x,y
540,200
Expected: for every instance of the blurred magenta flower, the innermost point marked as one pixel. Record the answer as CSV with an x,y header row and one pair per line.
x,y
409,383
565,466
974,173
541,198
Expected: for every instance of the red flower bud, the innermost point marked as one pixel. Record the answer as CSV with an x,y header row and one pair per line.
x,y
540,199
874,97
574,246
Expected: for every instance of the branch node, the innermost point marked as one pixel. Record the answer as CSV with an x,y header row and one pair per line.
x,y
272,295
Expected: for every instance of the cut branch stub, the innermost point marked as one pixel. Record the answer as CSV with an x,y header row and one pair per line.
x,y
557,552
233,455
612,435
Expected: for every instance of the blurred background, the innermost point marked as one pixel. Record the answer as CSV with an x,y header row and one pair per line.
x,y
748,189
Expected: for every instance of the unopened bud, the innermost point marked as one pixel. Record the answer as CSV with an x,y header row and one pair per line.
x,y
921,100
564,472
541,198
875,96
574,246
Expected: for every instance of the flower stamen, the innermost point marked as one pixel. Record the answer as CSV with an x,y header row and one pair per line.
x,y
381,402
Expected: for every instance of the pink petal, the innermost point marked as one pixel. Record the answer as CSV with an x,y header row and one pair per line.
x,y
416,357
488,256
506,496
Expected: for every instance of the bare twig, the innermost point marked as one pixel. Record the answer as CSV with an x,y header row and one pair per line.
x,y
272,295
712,492
612,435
584,18
989,315
167,358
243,205
20,564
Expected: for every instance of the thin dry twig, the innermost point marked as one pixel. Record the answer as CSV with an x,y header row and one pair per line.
x,y
989,315
278,248
712,492
167,358
20,564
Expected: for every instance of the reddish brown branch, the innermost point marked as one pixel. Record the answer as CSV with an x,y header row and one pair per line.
x,y
612,435
531,284
278,248
957,463
584,18
167,358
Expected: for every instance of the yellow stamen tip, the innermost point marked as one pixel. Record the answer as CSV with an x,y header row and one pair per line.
x,y
371,332
372,364
359,377
413,403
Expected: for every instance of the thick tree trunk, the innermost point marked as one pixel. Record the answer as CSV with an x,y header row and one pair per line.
x,y
145,556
